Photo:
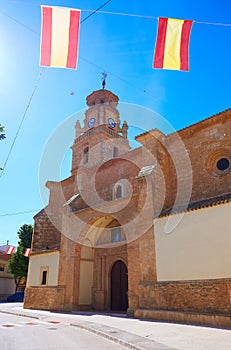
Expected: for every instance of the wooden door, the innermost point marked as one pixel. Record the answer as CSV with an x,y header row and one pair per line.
x,y
119,286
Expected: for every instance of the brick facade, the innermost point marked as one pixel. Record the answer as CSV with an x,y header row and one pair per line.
x,y
166,173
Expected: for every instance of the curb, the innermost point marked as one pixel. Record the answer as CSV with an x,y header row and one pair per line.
x,y
19,314
126,339
129,340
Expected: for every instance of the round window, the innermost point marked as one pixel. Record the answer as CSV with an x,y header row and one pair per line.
x,y
219,162
223,164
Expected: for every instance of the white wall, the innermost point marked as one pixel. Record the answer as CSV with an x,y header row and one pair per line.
x,y
7,286
198,248
37,263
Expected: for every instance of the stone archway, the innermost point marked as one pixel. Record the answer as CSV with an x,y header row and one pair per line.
x,y
119,286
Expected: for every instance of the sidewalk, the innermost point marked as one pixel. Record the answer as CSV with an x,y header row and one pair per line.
x,y
134,333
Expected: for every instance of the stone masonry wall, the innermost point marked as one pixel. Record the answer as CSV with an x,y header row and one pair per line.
x,y
44,298
45,233
195,296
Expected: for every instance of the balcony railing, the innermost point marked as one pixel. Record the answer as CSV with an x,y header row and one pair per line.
x,y
100,128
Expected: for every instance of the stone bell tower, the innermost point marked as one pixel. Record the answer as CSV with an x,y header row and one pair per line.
x,y
101,138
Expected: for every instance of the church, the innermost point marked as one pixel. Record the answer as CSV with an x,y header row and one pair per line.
x,y
144,231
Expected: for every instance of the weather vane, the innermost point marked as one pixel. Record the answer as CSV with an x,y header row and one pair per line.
x,y
104,76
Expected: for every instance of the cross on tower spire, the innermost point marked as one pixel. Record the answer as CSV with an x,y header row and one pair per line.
x,y
104,76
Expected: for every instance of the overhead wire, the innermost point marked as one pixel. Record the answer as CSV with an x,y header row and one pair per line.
x,y
119,13
154,17
89,62
40,74
80,57
118,77
20,212
27,107
35,88
22,120
94,11
18,22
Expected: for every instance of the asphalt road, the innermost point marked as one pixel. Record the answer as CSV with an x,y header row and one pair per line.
x,y
23,333
132,333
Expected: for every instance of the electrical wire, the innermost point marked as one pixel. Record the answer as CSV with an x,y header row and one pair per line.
x,y
22,120
18,22
154,17
28,105
30,29
40,74
120,13
94,11
82,58
118,77
35,88
20,212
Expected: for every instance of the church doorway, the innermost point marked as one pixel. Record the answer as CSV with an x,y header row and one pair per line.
x,y
119,286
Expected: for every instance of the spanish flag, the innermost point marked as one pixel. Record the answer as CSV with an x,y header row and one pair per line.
x,y
10,250
59,37
27,252
171,51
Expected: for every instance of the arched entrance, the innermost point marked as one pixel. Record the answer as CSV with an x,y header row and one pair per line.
x,y
119,286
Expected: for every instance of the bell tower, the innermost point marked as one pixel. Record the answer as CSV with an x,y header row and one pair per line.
x,y
101,138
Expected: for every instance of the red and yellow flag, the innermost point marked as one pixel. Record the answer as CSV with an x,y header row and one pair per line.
x,y
27,252
59,37
172,43
10,250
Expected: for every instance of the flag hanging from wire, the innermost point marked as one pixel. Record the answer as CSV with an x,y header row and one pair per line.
x,y
10,250
172,44
27,252
59,37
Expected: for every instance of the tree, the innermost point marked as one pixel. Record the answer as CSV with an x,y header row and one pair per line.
x,y
2,135
18,263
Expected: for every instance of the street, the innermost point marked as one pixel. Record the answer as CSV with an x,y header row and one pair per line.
x,y
46,330
23,333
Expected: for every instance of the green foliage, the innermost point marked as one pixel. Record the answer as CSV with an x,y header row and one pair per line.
x,y
2,135
25,236
18,264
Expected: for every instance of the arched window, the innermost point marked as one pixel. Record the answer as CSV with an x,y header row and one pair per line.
x,y
85,155
115,152
116,234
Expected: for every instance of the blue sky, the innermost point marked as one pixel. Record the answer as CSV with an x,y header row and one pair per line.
x,y
122,46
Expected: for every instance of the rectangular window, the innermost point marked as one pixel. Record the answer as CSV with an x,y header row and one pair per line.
x,y
2,267
44,276
116,234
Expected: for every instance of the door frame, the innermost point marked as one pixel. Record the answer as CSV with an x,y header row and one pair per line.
x,y
110,280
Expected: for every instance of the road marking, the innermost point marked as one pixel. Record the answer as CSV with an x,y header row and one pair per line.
x,y
31,324
24,324
20,324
